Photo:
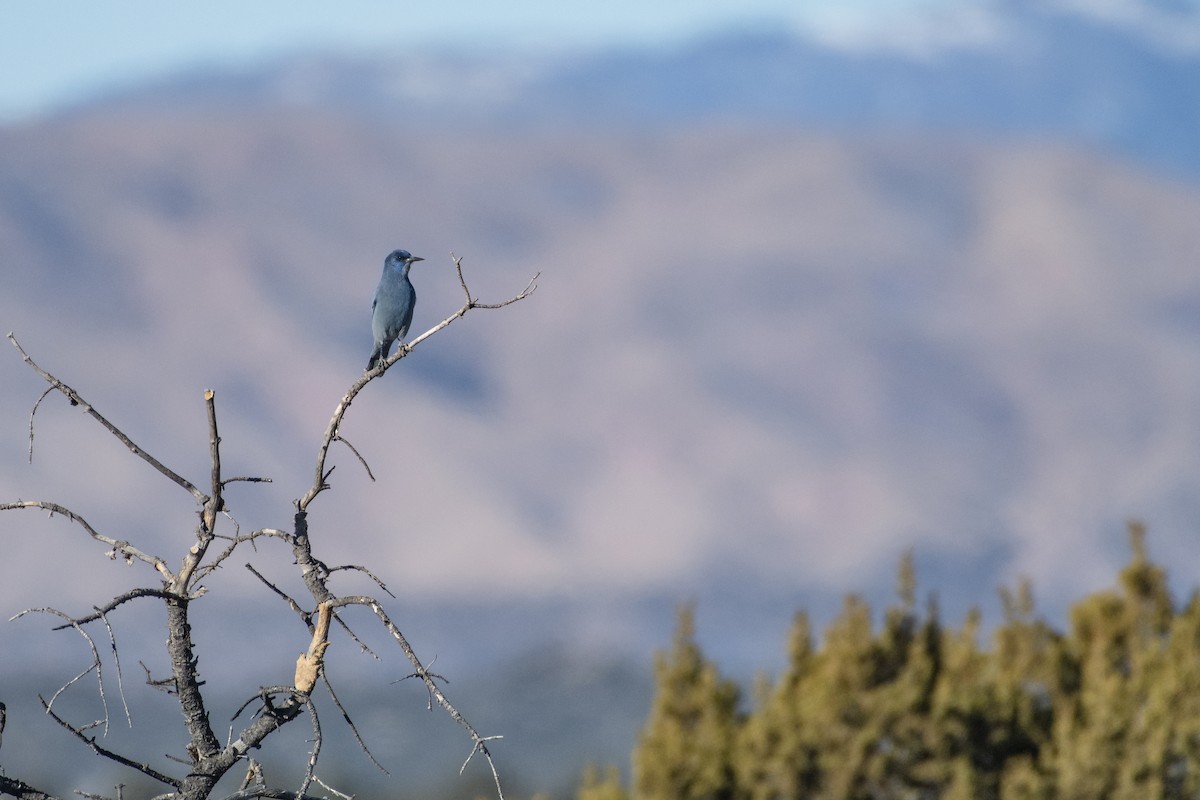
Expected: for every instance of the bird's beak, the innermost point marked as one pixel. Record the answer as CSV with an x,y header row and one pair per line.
x,y
415,259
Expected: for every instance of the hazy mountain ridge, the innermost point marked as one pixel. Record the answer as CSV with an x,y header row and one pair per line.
x,y
1125,81
749,331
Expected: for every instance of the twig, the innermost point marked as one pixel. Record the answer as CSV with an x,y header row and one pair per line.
x,y
112,640
77,400
304,615
422,675
245,479
162,684
353,728
320,482
478,740
234,541
365,571
96,664
90,741
362,646
122,548
216,502
33,414
470,303
329,788
353,449
480,748
316,749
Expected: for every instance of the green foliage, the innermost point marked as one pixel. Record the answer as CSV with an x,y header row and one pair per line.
x,y
913,710
684,752
601,787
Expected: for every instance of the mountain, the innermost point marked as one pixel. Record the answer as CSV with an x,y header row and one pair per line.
x,y
765,358
1122,77
758,367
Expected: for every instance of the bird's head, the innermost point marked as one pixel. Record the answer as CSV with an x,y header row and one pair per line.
x,y
401,258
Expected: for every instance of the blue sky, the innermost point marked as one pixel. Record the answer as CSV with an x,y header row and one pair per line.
x,y
58,51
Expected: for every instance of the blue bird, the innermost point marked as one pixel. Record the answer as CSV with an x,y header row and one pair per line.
x,y
392,308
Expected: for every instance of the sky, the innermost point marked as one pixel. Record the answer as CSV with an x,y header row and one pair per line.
x,y
54,53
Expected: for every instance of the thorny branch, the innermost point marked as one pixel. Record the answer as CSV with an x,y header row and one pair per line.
x,y
209,760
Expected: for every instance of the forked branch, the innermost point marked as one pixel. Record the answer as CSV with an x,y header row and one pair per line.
x,y
479,743
331,432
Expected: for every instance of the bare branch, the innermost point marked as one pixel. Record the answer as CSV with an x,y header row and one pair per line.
x,y
304,615
422,675
121,599
365,571
362,646
90,741
331,431
112,640
316,749
529,289
234,541
162,684
329,788
320,484
77,400
17,788
119,547
470,303
261,791
312,570
271,718
33,414
96,664
213,505
480,748
245,479
431,685
353,728
361,460
270,713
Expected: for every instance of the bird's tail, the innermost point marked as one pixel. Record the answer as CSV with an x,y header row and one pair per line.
x,y
376,357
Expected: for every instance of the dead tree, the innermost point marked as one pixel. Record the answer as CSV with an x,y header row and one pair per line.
x,y
179,585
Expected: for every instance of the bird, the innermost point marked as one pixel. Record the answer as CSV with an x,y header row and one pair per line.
x,y
392,308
